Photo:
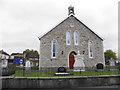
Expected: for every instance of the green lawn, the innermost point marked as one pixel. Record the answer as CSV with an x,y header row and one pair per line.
x,y
51,74
31,74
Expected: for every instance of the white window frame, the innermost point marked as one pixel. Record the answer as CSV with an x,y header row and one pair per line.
x,y
90,43
68,38
76,39
55,49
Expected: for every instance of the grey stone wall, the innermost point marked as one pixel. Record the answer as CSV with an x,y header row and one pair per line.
x,y
59,82
59,33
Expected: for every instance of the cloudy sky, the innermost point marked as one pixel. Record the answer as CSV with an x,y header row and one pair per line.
x,y
23,21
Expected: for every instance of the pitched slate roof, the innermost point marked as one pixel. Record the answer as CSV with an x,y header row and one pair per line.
x,y
78,21
3,52
17,54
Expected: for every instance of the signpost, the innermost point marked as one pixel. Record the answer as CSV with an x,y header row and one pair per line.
x,y
21,62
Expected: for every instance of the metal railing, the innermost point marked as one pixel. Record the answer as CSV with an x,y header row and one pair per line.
x,y
50,71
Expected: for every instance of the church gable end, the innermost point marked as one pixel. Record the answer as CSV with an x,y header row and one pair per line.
x,y
68,23
71,35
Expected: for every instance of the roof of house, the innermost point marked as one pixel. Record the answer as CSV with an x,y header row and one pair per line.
x,y
3,52
64,21
32,60
17,54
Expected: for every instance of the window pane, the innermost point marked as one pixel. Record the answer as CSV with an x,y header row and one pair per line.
x,y
90,49
54,48
76,38
68,38
53,54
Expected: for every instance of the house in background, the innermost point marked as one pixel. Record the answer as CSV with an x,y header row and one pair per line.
x,y
32,56
14,55
4,59
15,58
34,60
59,47
117,62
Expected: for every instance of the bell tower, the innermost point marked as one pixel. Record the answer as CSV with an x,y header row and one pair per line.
x,y
71,11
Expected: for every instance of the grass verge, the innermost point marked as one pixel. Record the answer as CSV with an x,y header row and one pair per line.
x,y
51,74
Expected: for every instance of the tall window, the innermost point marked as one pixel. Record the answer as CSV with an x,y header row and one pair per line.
x,y
90,46
76,38
68,38
54,49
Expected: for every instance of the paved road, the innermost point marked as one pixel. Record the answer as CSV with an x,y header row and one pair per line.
x,y
79,88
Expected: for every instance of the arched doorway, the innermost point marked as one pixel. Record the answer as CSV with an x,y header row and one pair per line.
x,y
72,59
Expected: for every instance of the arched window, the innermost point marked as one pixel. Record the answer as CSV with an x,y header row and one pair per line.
x,y
90,46
68,40
76,38
54,49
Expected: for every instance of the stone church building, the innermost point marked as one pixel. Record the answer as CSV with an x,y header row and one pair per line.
x,y
71,44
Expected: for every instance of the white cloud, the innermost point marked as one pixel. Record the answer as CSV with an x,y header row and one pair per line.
x,y
23,21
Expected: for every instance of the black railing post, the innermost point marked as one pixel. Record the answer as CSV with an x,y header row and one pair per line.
x,y
23,72
80,71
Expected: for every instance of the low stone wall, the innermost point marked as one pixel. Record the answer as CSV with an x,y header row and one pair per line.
x,y
59,82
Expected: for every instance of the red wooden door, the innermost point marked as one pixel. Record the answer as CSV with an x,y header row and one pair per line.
x,y
71,60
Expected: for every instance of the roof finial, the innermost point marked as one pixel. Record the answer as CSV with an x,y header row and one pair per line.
x,y
71,11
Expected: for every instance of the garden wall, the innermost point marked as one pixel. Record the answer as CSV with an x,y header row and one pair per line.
x,y
59,82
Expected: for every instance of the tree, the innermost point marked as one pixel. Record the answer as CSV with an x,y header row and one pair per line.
x,y
31,54
108,55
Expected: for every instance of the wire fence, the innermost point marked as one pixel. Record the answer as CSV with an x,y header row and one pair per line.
x,y
59,71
